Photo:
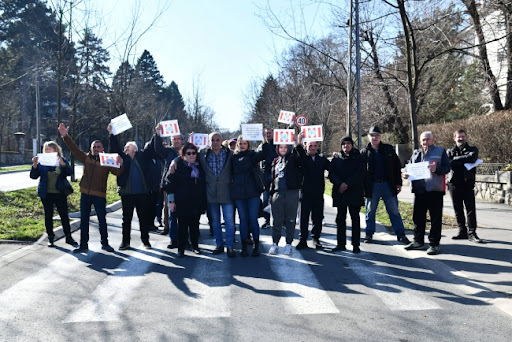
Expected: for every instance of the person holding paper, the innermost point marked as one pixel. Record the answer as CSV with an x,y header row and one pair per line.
x,y
50,178
461,184
269,151
382,180
428,193
93,187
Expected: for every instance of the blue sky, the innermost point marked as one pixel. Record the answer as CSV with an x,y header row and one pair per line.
x,y
219,46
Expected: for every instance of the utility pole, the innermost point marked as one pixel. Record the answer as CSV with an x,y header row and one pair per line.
x,y
358,76
349,74
353,29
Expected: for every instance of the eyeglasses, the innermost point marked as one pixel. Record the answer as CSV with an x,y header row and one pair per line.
x,y
193,153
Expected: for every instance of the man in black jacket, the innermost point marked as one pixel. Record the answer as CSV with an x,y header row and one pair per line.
x,y
382,180
269,150
461,184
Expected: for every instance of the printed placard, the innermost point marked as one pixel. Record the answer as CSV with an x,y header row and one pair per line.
x,y
417,171
286,117
284,136
252,132
169,128
120,124
199,139
48,159
469,166
312,133
109,159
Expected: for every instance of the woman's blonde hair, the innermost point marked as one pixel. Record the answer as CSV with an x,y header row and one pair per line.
x,y
237,148
53,145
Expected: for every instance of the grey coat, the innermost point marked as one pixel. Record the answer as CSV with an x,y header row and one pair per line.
x,y
217,188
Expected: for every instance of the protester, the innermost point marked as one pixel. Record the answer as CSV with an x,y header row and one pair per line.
x,y
245,193
312,193
461,184
93,187
286,182
382,180
52,183
156,200
269,150
186,189
428,193
346,174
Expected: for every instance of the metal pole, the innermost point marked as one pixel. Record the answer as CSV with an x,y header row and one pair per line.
x,y
358,76
38,119
349,72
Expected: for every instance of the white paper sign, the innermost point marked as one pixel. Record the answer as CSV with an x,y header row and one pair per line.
x,y
284,136
48,159
312,133
169,128
469,166
199,139
109,159
417,171
286,117
120,124
252,132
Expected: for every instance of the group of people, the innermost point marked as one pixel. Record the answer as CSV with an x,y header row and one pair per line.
x,y
217,179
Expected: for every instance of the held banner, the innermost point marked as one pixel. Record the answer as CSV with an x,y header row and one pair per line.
x,y
252,132
198,139
120,124
284,136
417,171
169,128
48,159
312,133
286,117
109,159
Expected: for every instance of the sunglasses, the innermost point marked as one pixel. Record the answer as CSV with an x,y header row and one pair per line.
x,y
193,153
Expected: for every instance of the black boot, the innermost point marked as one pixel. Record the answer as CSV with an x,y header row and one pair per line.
x,y
244,248
256,249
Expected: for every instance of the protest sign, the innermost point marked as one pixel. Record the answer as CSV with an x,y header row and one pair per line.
x,y
284,136
252,132
312,133
169,128
286,117
109,159
120,124
418,171
199,139
48,159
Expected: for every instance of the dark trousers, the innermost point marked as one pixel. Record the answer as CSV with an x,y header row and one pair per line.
x,y
86,201
311,205
188,225
60,201
157,202
464,195
433,202
341,224
141,203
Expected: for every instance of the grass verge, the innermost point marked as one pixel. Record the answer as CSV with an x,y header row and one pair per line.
x,y
22,215
15,168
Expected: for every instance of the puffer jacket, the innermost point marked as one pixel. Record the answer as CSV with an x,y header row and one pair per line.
x,y
348,169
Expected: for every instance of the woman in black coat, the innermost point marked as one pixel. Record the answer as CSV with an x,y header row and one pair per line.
x,y
346,174
186,189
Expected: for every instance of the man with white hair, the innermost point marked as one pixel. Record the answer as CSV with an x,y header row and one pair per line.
x,y
134,188
428,193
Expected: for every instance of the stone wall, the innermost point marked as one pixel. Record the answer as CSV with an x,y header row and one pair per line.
x,y
495,188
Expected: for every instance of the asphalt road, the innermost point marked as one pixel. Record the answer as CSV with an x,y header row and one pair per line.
x,y
383,294
21,179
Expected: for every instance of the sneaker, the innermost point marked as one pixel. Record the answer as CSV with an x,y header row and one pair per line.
x,y
356,249
339,248
301,245
107,248
474,238
460,236
288,249
273,250
414,245
317,244
81,249
433,250
147,245
124,246
368,238
403,239
218,250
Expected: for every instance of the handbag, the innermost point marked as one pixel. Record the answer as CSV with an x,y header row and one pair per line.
x,y
259,178
63,185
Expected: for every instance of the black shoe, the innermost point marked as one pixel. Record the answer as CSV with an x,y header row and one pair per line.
x,y
50,241
218,250
81,249
302,244
339,248
164,232
71,241
152,228
196,250
107,248
124,246
474,238
181,253
356,249
403,239
172,245
244,252
256,249
231,252
317,244
368,239
265,225
147,245
460,236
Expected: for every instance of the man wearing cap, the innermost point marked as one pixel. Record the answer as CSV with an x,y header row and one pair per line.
x,y
382,180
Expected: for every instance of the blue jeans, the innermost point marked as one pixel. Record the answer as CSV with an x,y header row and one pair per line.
x,y
86,201
173,225
248,213
227,214
383,190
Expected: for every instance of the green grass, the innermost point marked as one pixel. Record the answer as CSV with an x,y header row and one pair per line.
x,y
14,168
22,215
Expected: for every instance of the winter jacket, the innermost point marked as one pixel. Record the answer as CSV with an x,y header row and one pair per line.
x,y
293,170
166,153
314,172
217,187
458,157
391,163
437,181
349,169
94,179
269,150
243,184
42,171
